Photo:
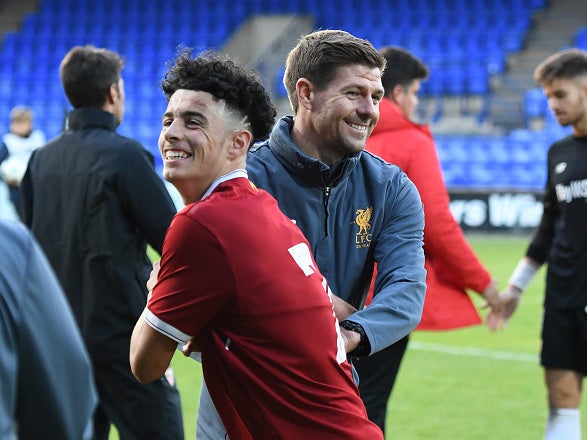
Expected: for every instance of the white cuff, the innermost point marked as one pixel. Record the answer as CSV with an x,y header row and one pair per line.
x,y
522,275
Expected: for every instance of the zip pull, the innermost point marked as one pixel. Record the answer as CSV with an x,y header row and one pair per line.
x,y
326,193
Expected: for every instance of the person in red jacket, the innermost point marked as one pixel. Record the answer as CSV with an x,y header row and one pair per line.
x,y
452,266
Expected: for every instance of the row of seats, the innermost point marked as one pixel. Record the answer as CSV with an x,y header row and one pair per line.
x,y
516,161
60,25
462,49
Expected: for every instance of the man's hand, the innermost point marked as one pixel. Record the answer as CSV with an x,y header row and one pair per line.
x,y
153,276
190,347
491,295
351,339
342,309
503,309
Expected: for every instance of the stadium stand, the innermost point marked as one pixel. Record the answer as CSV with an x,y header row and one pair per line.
x,y
466,43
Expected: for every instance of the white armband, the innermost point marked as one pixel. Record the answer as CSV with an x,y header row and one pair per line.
x,y
522,275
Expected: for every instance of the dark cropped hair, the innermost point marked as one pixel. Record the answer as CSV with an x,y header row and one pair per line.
x,y
87,72
566,64
236,84
318,56
402,68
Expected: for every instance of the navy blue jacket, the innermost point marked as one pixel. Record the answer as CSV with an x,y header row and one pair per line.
x,y
356,212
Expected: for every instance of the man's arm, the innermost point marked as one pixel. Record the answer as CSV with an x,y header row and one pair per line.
x,y
150,351
144,196
400,286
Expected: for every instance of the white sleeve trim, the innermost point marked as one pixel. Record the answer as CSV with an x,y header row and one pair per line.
x,y
166,329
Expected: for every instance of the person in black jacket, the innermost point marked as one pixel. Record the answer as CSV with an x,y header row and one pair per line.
x,y
94,202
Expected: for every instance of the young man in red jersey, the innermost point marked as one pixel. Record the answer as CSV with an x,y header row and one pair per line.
x,y
237,276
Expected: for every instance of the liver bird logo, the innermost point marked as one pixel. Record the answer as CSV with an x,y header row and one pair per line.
x,y
362,219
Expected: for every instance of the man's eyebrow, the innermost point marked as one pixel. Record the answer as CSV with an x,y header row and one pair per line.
x,y
186,114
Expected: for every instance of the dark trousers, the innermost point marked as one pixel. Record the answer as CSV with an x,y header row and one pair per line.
x,y
139,411
377,375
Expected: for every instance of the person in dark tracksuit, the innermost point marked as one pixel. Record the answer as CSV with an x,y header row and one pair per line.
x,y
560,243
94,202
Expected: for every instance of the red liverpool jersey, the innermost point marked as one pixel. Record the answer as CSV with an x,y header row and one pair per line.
x,y
239,276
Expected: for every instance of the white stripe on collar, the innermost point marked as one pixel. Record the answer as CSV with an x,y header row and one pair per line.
x,y
240,172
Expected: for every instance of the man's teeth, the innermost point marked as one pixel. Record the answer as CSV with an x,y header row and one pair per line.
x,y
358,127
176,155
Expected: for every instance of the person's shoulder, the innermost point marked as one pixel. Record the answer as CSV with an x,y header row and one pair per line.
x,y
13,236
384,176
127,142
129,148
379,166
13,228
565,141
260,157
259,150
562,146
38,138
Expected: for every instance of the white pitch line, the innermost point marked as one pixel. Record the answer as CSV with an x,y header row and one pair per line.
x,y
473,351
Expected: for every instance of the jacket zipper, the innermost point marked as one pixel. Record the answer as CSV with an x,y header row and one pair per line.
x,y
326,194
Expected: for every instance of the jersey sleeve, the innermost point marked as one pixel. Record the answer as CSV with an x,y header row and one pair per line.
x,y
195,281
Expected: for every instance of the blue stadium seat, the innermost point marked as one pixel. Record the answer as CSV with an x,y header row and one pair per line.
x,y
5,85
498,151
535,105
581,38
477,80
278,86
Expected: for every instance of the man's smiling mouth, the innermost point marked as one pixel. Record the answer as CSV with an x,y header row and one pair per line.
x,y
357,126
175,154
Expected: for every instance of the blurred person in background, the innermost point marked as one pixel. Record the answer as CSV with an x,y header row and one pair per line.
x,y
94,202
15,150
452,267
560,241
46,383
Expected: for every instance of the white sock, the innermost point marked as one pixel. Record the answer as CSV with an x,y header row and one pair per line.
x,y
563,424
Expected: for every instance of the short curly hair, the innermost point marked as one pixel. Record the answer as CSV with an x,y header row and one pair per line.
x,y
238,85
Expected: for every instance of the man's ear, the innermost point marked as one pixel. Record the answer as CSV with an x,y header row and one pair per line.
x,y
113,94
240,143
396,93
304,90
